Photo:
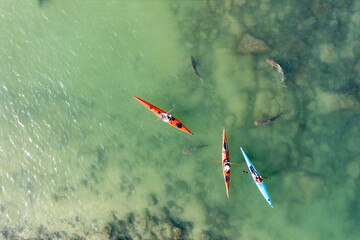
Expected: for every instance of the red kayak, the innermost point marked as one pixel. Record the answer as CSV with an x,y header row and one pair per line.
x,y
226,165
166,117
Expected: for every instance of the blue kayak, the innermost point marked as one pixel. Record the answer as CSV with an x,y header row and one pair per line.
x,y
257,178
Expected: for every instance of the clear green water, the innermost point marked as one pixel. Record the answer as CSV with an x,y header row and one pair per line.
x,y
77,149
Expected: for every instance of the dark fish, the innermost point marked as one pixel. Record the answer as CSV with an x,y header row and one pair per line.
x,y
267,120
193,66
193,149
42,2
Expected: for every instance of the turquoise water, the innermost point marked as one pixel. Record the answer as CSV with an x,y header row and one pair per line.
x,y
81,158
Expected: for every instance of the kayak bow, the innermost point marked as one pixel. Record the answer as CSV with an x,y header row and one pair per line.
x,y
157,111
226,161
257,178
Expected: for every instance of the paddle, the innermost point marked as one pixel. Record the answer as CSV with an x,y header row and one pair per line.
x,y
221,161
261,176
171,109
167,112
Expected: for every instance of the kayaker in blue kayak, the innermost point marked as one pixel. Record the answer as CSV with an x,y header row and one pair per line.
x,y
257,178
256,175
261,177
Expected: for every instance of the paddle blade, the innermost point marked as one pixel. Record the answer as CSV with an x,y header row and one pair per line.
x,y
171,109
215,160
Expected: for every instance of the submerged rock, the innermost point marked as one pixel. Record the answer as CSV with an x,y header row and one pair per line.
x,y
209,235
327,102
153,236
251,45
131,218
165,232
217,218
230,120
239,2
172,210
328,53
116,230
151,220
206,235
8,233
176,233
164,222
107,231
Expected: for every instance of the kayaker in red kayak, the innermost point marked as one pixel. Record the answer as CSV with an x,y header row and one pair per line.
x,y
227,166
166,117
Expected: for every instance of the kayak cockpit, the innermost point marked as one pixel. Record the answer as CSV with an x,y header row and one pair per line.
x,y
255,175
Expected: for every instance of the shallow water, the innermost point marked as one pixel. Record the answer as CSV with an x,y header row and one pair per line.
x,y
79,152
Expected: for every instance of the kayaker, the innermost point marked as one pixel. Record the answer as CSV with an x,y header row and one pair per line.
x,y
255,175
227,167
166,117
